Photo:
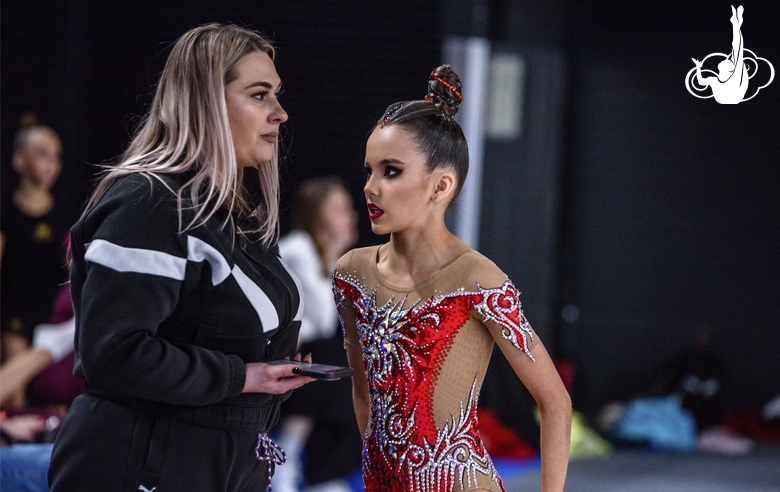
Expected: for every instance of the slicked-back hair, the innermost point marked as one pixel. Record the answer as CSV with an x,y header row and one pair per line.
x,y
431,123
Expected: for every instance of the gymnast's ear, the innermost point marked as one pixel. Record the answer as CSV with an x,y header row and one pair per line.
x,y
445,183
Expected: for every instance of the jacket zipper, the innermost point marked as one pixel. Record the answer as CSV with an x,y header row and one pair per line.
x,y
288,297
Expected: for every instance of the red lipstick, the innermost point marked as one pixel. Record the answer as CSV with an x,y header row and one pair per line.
x,y
374,212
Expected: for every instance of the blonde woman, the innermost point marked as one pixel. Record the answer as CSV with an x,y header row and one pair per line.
x,y
179,294
422,312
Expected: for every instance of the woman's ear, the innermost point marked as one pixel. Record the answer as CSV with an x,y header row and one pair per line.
x,y
445,186
18,161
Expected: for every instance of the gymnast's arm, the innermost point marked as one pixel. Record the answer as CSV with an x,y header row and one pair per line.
x,y
359,386
533,366
360,398
541,379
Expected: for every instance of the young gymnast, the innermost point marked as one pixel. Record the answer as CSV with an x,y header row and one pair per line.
x,y
422,312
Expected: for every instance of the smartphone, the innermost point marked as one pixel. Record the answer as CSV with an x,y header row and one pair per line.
x,y
319,371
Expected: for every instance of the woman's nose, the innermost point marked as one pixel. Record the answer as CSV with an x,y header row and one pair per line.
x,y
279,114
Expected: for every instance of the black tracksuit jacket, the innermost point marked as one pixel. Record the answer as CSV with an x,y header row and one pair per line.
x,y
166,320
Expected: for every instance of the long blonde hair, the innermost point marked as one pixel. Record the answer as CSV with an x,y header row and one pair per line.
x,y
187,128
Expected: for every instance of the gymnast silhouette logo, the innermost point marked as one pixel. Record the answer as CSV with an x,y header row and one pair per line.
x,y
730,84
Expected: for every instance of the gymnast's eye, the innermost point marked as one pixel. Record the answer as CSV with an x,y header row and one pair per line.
x,y
392,172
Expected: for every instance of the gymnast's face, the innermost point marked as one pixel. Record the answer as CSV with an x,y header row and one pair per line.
x,y
399,186
253,109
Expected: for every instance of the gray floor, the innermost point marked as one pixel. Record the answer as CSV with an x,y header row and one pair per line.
x,y
644,471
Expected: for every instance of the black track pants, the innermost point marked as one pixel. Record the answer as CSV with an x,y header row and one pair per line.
x,y
105,446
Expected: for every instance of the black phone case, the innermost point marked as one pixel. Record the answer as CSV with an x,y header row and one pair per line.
x,y
318,371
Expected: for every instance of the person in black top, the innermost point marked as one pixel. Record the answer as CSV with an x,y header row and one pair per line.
x,y
33,229
179,293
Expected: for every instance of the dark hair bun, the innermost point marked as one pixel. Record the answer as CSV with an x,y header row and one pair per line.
x,y
445,90
29,119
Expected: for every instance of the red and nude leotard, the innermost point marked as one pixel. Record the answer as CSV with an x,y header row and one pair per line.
x,y
425,353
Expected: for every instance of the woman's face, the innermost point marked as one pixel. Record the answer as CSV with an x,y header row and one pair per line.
x,y
39,160
253,109
399,188
338,220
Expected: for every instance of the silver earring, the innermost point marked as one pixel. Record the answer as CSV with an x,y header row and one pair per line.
x,y
434,200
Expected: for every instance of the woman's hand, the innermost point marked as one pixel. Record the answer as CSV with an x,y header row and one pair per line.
x,y
274,379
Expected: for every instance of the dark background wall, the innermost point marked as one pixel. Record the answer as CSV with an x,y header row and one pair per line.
x,y
88,69
647,212
672,210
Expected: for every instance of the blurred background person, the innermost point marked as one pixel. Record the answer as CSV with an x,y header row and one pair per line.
x,y
33,228
43,373
323,227
47,364
319,423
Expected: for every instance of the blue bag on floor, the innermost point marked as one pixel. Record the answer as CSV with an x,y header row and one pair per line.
x,y
662,422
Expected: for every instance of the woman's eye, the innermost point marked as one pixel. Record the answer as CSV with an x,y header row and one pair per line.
x,y
260,96
391,171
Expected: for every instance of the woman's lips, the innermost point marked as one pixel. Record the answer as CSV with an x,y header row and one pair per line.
x,y
270,137
374,212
